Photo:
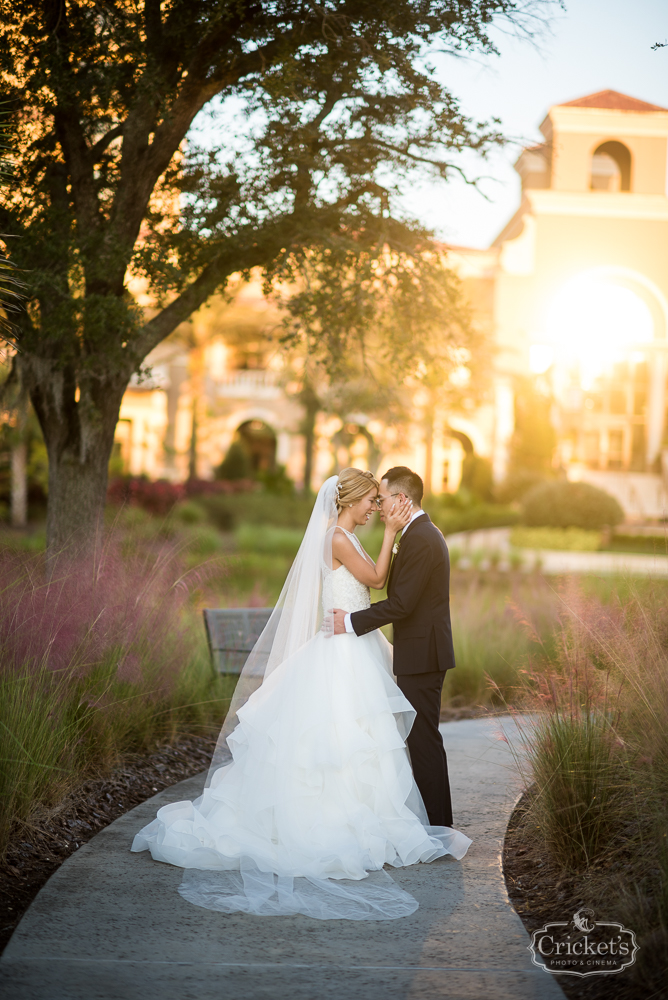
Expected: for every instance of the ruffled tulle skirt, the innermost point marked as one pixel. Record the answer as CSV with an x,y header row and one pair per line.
x,y
318,794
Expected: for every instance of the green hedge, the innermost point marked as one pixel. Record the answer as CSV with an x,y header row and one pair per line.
x,y
484,515
228,512
565,539
563,504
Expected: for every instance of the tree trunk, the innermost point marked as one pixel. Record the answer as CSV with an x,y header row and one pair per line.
x,y
77,492
19,484
78,424
192,455
19,473
311,404
196,367
429,446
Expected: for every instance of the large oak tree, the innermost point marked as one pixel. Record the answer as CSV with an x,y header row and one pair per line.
x,y
319,103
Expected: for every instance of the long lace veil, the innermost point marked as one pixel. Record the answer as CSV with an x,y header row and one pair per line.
x,y
295,619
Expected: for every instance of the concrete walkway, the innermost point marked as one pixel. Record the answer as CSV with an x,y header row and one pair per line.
x,y
478,547
110,925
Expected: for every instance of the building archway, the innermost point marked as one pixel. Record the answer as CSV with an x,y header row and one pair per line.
x,y
610,167
608,327
252,452
354,445
606,308
468,433
259,441
463,439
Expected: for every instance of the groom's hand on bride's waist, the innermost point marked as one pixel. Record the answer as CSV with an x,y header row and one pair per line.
x,y
334,623
338,617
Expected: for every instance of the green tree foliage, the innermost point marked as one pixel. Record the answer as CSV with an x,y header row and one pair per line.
x,y
562,504
517,484
11,286
400,309
236,464
317,103
370,325
534,439
477,476
533,442
276,481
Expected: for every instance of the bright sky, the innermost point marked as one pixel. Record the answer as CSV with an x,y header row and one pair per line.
x,y
592,45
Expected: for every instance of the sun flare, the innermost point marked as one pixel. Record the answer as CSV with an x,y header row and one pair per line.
x,y
593,322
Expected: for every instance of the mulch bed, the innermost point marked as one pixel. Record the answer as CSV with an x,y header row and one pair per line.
x,y
40,847
540,892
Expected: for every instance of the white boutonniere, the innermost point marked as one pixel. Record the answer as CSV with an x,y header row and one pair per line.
x,y
395,548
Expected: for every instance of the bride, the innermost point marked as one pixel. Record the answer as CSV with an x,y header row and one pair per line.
x,y
310,792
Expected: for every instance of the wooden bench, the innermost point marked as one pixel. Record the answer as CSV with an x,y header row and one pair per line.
x,y
232,633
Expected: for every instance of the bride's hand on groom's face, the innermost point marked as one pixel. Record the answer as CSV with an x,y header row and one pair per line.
x,y
399,514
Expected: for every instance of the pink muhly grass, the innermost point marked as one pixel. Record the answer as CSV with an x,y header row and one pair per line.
x,y
94,662
118,606
595,754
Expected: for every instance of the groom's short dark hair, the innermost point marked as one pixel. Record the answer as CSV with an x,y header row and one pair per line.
x,y
401,479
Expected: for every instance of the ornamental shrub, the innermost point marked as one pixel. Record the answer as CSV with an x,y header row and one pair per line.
x,y
477,476
237,463
258,508
159,496
563,504
481,515
137,491
516,485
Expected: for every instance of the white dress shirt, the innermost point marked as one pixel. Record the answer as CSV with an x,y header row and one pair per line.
x,y
416,513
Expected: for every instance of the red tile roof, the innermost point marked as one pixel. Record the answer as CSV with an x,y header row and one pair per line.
x,y
612,100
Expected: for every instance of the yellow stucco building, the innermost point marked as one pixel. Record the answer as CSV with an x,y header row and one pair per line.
x,y
581,292
574,292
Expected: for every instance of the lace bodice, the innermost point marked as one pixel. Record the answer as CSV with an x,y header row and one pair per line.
x,y
340,589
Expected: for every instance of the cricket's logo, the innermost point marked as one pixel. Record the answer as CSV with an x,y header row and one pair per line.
x,y
583,946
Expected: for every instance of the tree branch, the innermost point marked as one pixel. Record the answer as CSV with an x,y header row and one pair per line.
x,y
441,165
153,26
69,130
80,168
99,147
303,183
142,164
196,294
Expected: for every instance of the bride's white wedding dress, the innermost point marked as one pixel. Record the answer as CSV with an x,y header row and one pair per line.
x,y
319,791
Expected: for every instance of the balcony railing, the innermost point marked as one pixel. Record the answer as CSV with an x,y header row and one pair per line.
x,y
248,382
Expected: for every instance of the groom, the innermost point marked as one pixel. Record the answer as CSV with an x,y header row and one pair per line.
x,y
418,605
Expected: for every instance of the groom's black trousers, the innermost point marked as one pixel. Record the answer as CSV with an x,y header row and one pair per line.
x,y
425,744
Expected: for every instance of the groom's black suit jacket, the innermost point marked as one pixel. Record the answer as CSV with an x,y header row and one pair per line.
x,y
417,603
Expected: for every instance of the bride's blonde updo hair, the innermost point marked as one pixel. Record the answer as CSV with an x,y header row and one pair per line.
x,y
353,486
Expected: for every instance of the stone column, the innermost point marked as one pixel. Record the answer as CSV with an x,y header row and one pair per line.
x,y
178,374
504,425
283,448
656,404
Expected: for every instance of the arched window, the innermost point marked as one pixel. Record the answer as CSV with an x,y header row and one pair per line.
x,y
611,167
